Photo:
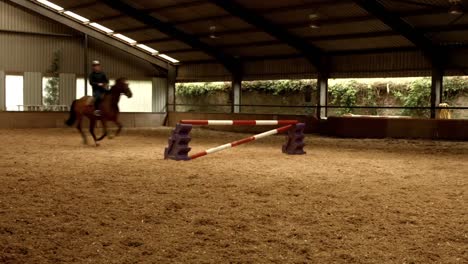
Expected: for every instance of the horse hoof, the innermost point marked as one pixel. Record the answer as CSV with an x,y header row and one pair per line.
x,y
97,145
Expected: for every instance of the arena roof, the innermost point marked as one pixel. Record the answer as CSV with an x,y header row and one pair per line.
x,y
217,31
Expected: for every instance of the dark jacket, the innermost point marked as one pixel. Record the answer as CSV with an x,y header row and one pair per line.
x,y
98,77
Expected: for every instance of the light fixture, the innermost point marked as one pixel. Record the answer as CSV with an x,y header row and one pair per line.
x,y
76,16
164,56
125,38
51,5
456,7
213,32
148,49
101,28
314,23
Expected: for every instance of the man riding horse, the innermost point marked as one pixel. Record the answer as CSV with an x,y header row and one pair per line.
x,y
105,107
99,82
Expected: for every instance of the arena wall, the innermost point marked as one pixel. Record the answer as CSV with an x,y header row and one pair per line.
x,y
13,120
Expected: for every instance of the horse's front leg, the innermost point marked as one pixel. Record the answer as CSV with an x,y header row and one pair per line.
x,y
104,127
119,127
92,126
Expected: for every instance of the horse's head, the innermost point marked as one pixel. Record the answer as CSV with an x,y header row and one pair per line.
x,y
121,86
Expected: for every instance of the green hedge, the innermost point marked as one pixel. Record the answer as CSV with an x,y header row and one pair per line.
x,y
347,94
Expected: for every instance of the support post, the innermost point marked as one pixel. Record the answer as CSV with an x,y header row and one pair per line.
x,y
2,91
85,63
322,95
171,81
236,90
436,89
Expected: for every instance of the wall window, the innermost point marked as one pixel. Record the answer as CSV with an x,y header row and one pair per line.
x,y
14,92
142,97
80,88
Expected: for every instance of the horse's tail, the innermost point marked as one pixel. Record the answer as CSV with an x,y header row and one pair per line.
x,y
71,120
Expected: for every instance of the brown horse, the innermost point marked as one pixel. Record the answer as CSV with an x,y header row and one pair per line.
x,y
109,107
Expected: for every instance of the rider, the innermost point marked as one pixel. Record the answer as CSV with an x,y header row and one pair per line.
x,y
99,82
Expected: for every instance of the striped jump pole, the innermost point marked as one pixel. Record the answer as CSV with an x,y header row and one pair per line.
x,y
178,147
239,122
240,142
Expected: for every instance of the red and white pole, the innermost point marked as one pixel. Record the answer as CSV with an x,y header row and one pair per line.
x,y
239,122
240,142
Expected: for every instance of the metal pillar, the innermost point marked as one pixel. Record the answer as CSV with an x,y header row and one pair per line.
x,y
322,95
171,81
159,100
436,89
236,91
2,91
85,63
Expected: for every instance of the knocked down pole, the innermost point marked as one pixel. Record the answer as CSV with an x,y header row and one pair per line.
x,y
240,142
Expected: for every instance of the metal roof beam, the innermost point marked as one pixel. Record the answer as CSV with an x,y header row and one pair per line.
x,y
376,9
31,6
228,61
313,54
157,9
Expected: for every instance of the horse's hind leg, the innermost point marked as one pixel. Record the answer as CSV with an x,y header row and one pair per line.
x,y
78,126
119,128
92,126
104,127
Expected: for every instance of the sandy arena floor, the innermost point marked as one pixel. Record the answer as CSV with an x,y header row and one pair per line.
x,y
346,201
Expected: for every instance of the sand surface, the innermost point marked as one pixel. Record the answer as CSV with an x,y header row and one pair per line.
x,y
346,201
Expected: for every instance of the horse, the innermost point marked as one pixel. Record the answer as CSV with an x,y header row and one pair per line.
x,y
109,107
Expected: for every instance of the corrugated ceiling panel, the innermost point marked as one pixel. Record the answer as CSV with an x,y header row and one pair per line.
x,y
331,11
365,43
147,34
98,10
342,28
430,20
261,4
68,3
16,19
169,45
192,11
259,51
454,37
190,56
122,23
238,38
401,6
221,25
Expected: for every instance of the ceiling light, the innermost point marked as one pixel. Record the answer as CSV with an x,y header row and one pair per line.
x,y
76,16
101,28
51,5
164,56
125,38
456,9
148,49
213,32
314,25
313,16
